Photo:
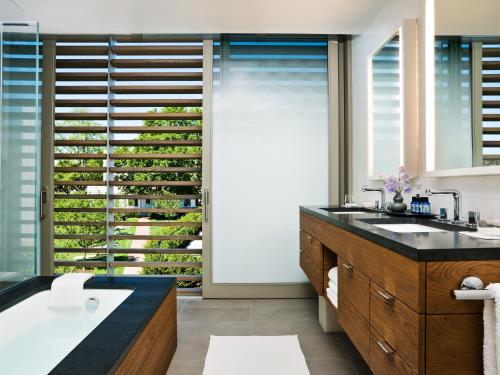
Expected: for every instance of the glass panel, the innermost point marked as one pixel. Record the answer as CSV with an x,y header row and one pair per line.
x,y
270,154
19,148
387,121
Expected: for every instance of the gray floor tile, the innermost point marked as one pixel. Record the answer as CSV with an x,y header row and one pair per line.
x,y
214,314
185,367
358,361
203,329
217,303
191,349
293,327
281,311
331,366
326,346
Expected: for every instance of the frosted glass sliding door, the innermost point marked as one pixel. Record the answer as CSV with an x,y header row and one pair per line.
x,y
270,154
19,148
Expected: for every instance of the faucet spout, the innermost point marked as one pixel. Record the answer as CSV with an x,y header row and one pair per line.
x,y
382,195
456,200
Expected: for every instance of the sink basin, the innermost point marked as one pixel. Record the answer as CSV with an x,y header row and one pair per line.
x,y
408,228
346,210
437,226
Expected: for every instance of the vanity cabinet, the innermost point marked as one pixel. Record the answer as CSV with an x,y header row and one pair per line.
x,y
398,312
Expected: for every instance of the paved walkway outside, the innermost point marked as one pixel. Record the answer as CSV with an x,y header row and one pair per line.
x,y
138,244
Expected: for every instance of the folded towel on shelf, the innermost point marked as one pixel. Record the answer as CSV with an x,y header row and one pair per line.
x,y
333,274
332,295
491,344
332,285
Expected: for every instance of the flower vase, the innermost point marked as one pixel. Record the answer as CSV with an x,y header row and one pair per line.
x,y
398,205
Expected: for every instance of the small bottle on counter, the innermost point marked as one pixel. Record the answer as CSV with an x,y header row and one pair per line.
x,y
425,206
415,204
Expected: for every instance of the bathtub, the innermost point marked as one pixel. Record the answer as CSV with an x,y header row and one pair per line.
x,y
34,338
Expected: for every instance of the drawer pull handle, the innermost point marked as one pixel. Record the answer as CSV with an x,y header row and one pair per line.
x,y
385,348
348,267
386,296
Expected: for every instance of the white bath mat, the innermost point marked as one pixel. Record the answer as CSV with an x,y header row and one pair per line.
x,y
255,355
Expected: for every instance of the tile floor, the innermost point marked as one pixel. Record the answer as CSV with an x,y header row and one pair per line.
x,y
326,353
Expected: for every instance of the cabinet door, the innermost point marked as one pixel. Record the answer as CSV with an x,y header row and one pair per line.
x,y
312,248
355,286
383,359
313,273
355,326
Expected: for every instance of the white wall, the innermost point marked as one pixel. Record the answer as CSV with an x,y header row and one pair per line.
x,y
196,16
479,192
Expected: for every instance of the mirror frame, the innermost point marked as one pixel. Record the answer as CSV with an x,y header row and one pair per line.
x,y
409,98
430,120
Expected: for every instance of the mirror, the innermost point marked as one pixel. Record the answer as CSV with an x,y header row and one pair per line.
x,y
392,103
462,87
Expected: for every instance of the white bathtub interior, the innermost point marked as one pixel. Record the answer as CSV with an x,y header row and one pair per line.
x,y
35,338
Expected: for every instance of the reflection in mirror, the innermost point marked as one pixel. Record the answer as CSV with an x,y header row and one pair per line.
x,y
466,50
386,112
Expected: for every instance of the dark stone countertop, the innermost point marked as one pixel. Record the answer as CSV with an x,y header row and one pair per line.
x,y
101,351
433,246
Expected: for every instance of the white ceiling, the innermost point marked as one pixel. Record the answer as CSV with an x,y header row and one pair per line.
x,y
194,16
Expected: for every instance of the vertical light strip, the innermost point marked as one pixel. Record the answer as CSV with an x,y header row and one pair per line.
x,y
402,98
369,120
430,126
334,148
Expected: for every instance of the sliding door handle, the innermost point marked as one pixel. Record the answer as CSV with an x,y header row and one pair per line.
x,y
205,203
42,201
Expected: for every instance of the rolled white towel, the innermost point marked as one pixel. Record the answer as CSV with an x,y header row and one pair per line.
x,y
333,274
332,296
332,285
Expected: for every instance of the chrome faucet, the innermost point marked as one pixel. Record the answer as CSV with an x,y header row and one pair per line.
x,y
382,195
456,201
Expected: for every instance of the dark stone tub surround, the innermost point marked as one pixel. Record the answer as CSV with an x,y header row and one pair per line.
x,y
433,246
102,351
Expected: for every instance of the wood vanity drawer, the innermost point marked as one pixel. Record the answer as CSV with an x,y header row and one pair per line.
x,y
356,327
443,277
312,248
313,273
355,286
400,326
383,359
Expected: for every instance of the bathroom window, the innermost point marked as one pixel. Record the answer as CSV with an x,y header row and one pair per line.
x,y
270,153
127,150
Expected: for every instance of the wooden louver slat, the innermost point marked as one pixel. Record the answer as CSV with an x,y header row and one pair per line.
x,y
156,89
80,116
157,63
155,129
157,76
81,63
156,102
157,116
157,50
75,103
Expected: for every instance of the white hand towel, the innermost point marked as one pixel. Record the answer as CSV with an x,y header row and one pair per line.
x,y
332,285
491,344
67,290
333,274
332,296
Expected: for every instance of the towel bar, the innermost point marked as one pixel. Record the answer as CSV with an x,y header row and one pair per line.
x,y
472,288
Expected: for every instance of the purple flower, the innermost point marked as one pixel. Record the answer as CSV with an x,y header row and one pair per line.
x,y
401,183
